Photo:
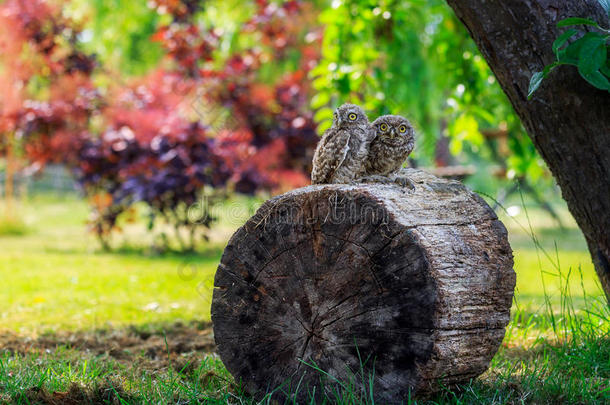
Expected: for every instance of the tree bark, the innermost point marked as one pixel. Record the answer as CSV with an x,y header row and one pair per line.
x,y
411,287
9,178
568,120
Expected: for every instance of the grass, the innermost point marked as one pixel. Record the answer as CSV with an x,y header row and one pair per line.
x,y
56,278
11,226
81,326
544,254
144,367
65,377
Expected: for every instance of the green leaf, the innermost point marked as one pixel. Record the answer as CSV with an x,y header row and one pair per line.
x,y
537,78
323,126
548,68
562,39
606,5
576,21
323,114
597,79
484,114
535,82
592,56
605,69
319,100
571,54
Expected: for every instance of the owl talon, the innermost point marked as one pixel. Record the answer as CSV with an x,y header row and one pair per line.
x,y
375,178
404,182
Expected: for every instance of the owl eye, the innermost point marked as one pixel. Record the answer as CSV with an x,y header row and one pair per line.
x,y
384,127
352,117
402,129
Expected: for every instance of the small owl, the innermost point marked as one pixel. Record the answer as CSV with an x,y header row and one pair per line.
x,y
394,141
341,153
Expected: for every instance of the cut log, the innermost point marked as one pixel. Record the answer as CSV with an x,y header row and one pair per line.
x,y
408,287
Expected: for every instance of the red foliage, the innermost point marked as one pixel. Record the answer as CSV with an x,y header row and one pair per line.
x,y
39,43
150,106
271,22
187,46
180,10
163,137
272,119
50,37
54,129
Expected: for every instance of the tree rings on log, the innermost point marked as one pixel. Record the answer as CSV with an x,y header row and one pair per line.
x,y
370,284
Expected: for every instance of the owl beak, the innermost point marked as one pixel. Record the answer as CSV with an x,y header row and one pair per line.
x,y
392,133
339,121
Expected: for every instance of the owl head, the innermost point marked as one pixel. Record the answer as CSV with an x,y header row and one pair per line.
x,y
349,115
393,130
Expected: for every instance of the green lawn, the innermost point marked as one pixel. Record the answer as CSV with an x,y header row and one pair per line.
x,y
546,256
75,320
56,278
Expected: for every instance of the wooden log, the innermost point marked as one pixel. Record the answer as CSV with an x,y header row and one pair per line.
x,y
411,287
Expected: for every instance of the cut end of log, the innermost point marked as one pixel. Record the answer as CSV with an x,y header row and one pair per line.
x,y
349,282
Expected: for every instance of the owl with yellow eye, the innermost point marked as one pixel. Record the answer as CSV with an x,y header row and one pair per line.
x,y
342,151
394,141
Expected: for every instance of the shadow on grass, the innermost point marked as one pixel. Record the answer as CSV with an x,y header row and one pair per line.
x,y
10,226
161,363
202,254
549,372
150,343
100,393
175,363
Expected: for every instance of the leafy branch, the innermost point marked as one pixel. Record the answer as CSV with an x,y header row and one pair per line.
x,y
588,53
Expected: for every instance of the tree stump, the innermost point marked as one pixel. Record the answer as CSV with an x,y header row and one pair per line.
x,y
408,287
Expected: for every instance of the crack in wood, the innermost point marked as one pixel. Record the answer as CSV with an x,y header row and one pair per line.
x,y
276,257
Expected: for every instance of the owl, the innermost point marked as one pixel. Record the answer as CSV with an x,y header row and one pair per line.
x,y
342,151
394,141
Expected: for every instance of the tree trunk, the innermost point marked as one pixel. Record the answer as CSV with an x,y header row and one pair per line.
x,y
411,287
568,120
9,178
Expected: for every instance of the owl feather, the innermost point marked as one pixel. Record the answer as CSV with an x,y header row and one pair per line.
x,y
393,143
342,151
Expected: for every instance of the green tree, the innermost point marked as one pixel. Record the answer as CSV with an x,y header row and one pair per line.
x,y
119,32
415,58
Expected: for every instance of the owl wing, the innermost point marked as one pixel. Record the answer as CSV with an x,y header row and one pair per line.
x,y
334,150
369,161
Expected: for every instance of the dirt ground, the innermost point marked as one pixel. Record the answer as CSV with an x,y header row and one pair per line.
x,y
154,345
154,348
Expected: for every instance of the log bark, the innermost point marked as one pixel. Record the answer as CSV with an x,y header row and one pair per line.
x,y
568,120
412,287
